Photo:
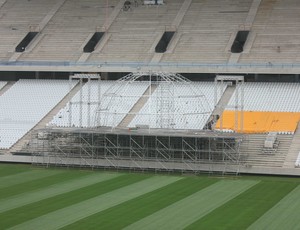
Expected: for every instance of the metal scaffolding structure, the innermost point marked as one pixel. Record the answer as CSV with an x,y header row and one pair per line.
x,y
84,79
161,106
160,148
137,150
238,107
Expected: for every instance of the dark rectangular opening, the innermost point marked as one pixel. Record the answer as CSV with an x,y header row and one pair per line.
x,y
239,41
25,42
163,43
92,43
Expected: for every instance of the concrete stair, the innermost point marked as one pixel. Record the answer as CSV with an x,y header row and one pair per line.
x,y
7,87
17,147
222,103
253,156
293,150
224,100
137,107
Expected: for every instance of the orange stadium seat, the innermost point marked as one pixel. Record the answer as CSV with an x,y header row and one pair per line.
x,y
260,122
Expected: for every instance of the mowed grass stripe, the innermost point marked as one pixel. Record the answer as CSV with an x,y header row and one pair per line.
x,y
131,211
243,210
186,211
70,214
54,190
9,169
24,187
284,215
23,177
28,212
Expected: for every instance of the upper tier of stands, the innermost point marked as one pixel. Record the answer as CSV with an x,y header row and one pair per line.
x,y
204,35
206,30
66,33
25,104
17,18
276,30
135,33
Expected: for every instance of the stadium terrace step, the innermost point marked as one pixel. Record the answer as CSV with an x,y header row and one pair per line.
x,y
253,156
6,87
293,150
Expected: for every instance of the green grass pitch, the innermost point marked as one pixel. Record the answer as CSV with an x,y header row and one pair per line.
x,y
39,198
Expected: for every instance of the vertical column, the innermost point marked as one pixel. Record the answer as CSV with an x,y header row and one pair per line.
x,y
80,103
70,101
37,75
242,107
89,103
236,124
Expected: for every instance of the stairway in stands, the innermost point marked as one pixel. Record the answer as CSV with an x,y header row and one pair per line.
x,y
224,100
7,87
251,150
17,147
137,107
293,150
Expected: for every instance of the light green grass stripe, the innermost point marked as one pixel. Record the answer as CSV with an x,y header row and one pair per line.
x,y
23,177
188,210
54,190
73,213
284,215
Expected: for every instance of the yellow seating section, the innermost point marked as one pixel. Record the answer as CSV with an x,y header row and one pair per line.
x,y
261,122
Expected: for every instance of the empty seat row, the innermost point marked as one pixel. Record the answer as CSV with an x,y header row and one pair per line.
x,y
25,104
117,98
183,106
267,96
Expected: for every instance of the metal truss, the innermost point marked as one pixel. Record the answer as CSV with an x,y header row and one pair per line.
x,y
136,151
84,79
165,99
220,82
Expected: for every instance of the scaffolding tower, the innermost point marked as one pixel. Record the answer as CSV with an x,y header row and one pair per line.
x,y
137,150
83,103
162,148
220,82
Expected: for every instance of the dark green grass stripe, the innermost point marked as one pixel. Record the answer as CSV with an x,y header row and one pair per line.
x,y
131,211
54,190
242,211
10,169
34,210
283,215
75,212
188,210
26,176
28,186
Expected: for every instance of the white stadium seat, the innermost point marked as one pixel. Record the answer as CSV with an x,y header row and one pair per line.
x,y
18,103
